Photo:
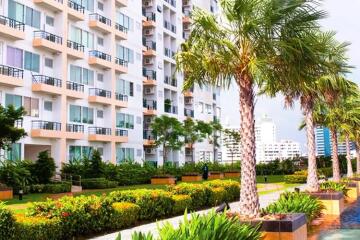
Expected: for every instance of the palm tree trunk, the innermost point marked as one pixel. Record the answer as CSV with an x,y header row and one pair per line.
x,y
192,153
357,158
350,172
249,199
334,155
312,178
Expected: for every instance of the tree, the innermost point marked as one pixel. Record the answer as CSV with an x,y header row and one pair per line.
x,y
96,165
258,42
169,133
215,136
9,133
232,143
44,168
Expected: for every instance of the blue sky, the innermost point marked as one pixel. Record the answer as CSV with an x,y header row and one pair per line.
x,y
344,18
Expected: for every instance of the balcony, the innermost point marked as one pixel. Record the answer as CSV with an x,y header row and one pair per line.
x,y
12,29
48,41
149,77
121,32
46,84
149,19
170,109
188,112
172,81
75,90
100,23
11,77
169,53
75,50
121,135
76,11
171,2
100,59
121,100
187,16
45,129
101,96
121,66
149,138
54,5
75,131
169,26
121,3
99,134
150,48
188,93
150,107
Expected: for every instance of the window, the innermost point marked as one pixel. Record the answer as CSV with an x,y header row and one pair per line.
x,y
87,115
75,114
32,17
124,154
32,62
100,6
124,53
124,120
48,106
50,21
100,77
15,100
201,107
88,4
125,87
81,75
208,109
100,41
79,152
49,62
24,14
124,21
100,113
81,36
14,57
14,153
31,106
81,114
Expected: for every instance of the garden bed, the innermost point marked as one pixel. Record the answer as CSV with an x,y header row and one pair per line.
x,y
6,193
215,175
332,201
232,174
163,180
191,177
353,191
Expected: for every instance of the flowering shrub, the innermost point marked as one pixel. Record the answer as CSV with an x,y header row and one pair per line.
x,y
124,214
217,196
181,203
98,183
232,188
199,193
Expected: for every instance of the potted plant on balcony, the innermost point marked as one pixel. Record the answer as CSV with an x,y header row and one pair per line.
x,y
167,105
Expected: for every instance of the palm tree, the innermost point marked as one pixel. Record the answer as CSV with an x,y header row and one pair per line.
x,y
258,41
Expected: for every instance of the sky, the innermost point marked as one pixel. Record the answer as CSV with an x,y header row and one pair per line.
x,y
343,18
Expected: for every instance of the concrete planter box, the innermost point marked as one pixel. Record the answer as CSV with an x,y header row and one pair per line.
x,y
290,227
6,194
163,180
232,174
191,178
215,175
333,202
357,180
353,192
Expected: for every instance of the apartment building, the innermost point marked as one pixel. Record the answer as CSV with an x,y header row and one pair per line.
x,y
90,74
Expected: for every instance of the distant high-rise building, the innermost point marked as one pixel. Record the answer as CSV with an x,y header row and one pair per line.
x,y
323,143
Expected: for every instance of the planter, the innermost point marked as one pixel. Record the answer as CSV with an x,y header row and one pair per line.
x,y
6,194
163,180
333,202
191,178
232,174
353,193
357,180
290,227
215,175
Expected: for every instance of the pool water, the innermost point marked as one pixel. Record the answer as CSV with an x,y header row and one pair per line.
x,y
340,234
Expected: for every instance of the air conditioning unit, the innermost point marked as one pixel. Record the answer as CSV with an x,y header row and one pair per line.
x,y
148,32
189,101
148,3
148,61
149,90
150,150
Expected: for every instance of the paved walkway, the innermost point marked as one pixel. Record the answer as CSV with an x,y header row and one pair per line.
x,y
152,227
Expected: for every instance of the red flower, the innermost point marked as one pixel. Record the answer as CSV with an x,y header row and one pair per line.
x,y
65,214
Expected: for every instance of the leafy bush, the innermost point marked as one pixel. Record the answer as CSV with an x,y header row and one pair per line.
x,y
232,188
98,183
15,174
44,168
217,196
7,223
199,193
292,202
124,215
334,186
210,226
297,177
56,187
181,203
153,203
327,172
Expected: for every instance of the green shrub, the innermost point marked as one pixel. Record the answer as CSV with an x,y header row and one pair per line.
x,y
124,214
153,203
232,188
98,183
199,193
334,186
327,172
217,196
39,228
7,223
44,168
292,202
181,203
297,177
60,187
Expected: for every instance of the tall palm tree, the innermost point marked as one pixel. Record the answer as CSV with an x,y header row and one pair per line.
x,y
258,41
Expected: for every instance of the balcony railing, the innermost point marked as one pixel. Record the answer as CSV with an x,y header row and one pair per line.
x,y
150,16
121,132
101,55
46,125
171,109
98,17
48,36
99,92
76,6
99,130
47,80
149,44
149,74
12,23
75,128
11,71
121,62
169,53
150,104
75,45
75,86
148,135
121,28
170,81
188,112
121,97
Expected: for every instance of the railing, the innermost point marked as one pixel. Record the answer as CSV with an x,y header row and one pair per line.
x,y
169,53
75,45
121,97
121,62
149,44
171,81
46,125
99,130
171,109
150,104
48,36
171,2
101,55
149,74
76,6
47,80
121,132
11,71
99,92
98,17
148,135
121,28
12,23
75,128
75,86
150,16
188,112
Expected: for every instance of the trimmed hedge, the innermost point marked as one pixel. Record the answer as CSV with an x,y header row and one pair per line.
x,y
199,193
7,223
232,188
98,183
217,196
39,228
124,214
181,203
297,177
60,187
